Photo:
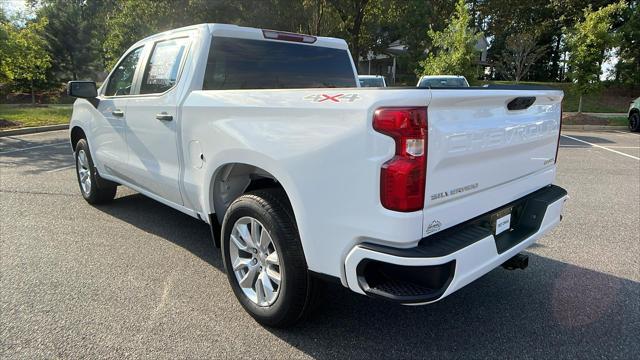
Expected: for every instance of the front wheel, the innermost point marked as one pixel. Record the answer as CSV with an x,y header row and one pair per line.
x,y
88,179
634,122
264,259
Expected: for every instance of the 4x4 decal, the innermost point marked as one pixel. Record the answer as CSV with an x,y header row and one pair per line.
x,y
332,98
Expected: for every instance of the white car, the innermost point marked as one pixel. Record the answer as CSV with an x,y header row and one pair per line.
x,y
402,194
442,81
372,81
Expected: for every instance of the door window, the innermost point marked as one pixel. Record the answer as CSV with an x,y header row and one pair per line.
x,y
161,72
121,80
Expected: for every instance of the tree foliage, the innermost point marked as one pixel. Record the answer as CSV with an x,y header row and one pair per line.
x,y
24,55
84,38
521,51
454,48
627,69
588,42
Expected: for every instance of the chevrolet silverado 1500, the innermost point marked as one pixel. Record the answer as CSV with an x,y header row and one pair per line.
x,y
404,194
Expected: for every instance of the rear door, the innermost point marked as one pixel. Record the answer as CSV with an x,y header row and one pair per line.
x,y
152,124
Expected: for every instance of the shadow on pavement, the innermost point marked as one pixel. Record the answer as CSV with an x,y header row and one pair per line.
x,y
590,139
551,310
51,155
156,218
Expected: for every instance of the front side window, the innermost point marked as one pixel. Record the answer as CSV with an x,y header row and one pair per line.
x,y
255,64
161,72
121,80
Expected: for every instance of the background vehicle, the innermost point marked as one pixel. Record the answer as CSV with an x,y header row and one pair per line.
x,y
634,115
372,81
436,81
394,193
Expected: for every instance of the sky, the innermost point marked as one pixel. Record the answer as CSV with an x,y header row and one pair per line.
x,y
12,6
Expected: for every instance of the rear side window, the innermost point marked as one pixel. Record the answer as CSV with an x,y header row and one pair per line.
x,y
121,80
253,64
161,71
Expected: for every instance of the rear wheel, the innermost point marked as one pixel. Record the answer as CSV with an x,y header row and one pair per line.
x,y
264,259
634,122
93,190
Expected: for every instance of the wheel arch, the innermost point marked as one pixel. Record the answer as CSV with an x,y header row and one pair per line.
x,y
76,133
232,179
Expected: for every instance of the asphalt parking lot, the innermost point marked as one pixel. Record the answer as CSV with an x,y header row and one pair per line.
x,y
137,279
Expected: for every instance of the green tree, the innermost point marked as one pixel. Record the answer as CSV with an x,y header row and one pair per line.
x,y
627,69
520,52
588,42
453,51
4,48
352,13
25,57
131,20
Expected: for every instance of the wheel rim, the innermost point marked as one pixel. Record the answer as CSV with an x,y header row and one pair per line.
x,y
84,174
255,261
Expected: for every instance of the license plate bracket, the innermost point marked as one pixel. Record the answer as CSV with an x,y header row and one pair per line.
x,y
501,221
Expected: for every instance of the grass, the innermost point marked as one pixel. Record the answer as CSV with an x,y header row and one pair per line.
x,y
618,121
28,116
608,100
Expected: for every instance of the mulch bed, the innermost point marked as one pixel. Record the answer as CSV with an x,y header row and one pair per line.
x,y
582,119
5,124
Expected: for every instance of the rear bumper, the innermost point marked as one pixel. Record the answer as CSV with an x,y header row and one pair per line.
x,y
445,262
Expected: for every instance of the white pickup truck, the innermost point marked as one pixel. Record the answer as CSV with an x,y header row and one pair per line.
x,y
404,194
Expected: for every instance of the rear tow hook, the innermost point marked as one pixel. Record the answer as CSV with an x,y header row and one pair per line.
x,y
520,261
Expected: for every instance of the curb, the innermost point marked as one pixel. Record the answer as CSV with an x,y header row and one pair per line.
x,y
33,130
593,127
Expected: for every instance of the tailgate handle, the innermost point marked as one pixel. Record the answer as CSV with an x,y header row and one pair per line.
x,y
521,103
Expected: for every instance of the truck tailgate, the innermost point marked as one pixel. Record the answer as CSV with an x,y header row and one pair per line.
x,y
477,145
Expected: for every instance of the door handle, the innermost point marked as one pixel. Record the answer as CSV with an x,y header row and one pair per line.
x,y
117,113
163,116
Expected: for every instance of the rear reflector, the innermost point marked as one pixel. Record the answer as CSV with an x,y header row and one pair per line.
x,y
287,36
402,179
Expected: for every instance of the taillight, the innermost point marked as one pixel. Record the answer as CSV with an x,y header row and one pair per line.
x,y
402,179
559,132
287,36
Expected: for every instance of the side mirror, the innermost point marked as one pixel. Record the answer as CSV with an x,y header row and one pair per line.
x,y
82,89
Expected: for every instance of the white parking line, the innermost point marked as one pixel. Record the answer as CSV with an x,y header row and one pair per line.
x,y
601,147
62,168
35,134
34,147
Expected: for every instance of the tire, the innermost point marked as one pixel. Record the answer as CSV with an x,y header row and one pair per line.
x,y
268,210
634,122
93,189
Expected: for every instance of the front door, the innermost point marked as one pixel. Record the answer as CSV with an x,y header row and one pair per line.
x,y
109,145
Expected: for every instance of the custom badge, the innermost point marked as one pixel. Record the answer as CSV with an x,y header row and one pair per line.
x,y
434,226
332,98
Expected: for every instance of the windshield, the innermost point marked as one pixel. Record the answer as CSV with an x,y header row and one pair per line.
x,y
443,82
371,82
